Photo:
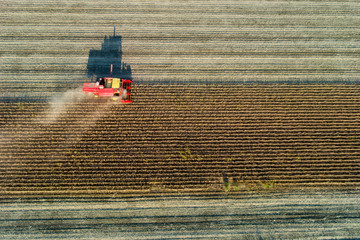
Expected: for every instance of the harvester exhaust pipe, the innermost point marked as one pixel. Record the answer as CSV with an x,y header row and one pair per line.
x,y
111,70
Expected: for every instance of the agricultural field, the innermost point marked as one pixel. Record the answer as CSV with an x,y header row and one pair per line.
x,y
245,121
295,215
44,45
176,138
230,96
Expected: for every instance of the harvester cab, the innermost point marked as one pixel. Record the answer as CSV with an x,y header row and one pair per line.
x,y
110,87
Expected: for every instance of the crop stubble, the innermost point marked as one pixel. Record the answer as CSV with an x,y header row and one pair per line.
x,y
45,44
186,139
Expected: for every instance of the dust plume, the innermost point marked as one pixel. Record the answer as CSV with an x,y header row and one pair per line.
x,y
123,94
58,104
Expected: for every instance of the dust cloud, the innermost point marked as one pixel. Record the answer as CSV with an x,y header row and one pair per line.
x,y
58,104
123,95
71,114
60,124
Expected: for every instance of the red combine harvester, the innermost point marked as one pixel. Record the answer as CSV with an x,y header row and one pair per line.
x,y
110,87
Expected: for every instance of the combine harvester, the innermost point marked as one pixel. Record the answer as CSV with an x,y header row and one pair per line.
x,y
110,87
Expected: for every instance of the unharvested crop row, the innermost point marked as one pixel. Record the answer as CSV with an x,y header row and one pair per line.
x,y
233,138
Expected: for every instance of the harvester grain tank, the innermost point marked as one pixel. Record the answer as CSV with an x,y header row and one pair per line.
x,y
110,87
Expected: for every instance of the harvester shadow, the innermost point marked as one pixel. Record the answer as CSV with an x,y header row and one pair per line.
x,y
99,61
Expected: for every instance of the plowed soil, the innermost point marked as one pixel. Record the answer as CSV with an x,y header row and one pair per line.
x,y
184,138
